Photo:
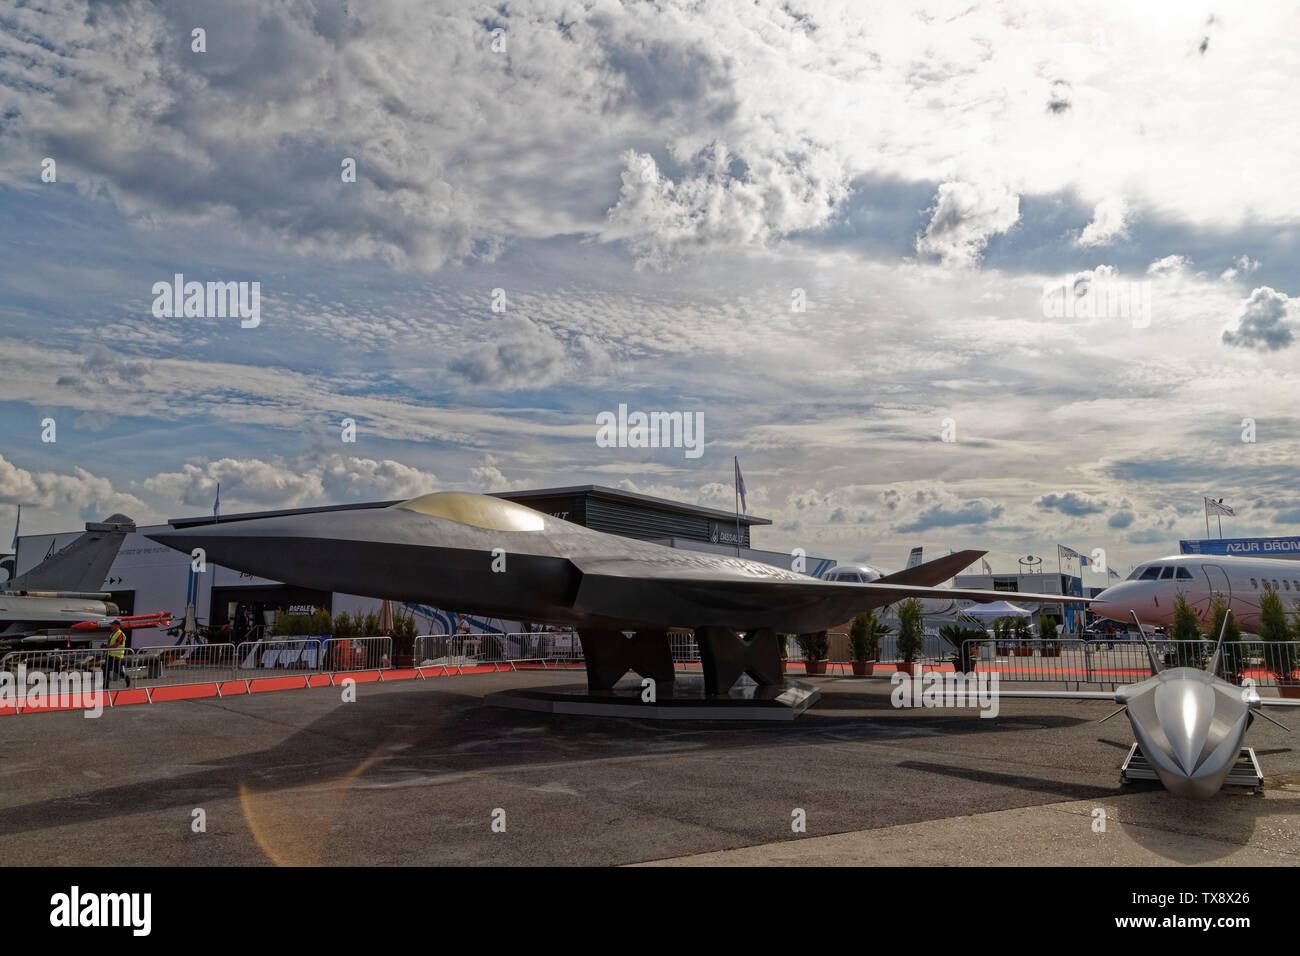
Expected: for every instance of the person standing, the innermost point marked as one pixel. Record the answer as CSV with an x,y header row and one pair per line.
x,y
114,659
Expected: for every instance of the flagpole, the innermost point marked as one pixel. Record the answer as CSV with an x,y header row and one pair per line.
x,y
735,480
1206,502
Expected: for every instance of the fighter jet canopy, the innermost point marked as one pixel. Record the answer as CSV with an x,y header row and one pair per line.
x,y
478,511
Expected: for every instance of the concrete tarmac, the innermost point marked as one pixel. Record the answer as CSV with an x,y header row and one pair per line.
x,y
416,772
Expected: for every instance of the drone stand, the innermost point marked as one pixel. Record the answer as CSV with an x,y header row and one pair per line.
x,y
1244,773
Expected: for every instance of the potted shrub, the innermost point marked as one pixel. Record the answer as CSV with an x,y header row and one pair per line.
x,y
911,635
1231,661
864,642
1022,633
1281,647
1047,631
1002,636
1189,648
815,646
963,660
403,636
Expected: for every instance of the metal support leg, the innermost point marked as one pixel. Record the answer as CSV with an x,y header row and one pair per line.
x,y
725,656
611,654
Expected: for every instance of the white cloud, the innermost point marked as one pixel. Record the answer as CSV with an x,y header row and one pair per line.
x,y
80,493
1109,222
964,217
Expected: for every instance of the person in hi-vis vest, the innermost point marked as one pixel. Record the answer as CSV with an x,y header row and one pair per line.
x,y
113,660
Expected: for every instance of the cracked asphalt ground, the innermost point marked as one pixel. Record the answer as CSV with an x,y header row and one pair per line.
x,y
412,772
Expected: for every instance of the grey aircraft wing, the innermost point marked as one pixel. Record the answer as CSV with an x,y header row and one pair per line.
x,y
934,572
745,597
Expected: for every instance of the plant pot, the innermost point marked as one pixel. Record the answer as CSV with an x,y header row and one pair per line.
x,y
1050,652
906,667
1024,652
1291,689
814,667
863,668
404,660
1004,650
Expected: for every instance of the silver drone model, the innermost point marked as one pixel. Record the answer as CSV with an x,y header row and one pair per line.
x,y
1189,723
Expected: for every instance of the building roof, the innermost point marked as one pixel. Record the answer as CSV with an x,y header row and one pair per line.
x,y
523,497
631,497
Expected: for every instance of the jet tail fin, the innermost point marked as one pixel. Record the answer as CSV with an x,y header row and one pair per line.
x,y
82,565
932,573
1213,666
914,558
1151,651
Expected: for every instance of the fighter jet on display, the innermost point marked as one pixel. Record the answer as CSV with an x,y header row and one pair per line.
x,y
1189,723
64,589
488,556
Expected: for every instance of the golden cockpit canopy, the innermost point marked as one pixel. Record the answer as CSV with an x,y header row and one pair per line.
x,y
479,511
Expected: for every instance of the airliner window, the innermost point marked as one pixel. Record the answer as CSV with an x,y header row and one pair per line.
x,y
1184,574
1167,573
1151,573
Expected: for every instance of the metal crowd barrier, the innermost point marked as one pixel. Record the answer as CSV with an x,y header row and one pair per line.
x,y
293,654
1101,662
167,665
343,654
447,652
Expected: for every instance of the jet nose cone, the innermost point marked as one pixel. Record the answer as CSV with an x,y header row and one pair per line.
x,y
1185,709
1109,604
255,545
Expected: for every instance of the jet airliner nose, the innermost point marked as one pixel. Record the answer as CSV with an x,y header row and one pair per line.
x,y
1111,605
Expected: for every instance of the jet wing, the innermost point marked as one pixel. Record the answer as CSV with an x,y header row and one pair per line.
x,y
1059,694
741,593
933,572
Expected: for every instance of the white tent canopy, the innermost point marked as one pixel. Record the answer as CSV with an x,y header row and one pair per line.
x,y
989,612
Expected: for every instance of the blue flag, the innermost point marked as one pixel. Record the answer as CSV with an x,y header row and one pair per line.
x,y
216,505
740,488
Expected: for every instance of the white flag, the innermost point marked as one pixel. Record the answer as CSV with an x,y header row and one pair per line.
x,y
1218,508
1068,553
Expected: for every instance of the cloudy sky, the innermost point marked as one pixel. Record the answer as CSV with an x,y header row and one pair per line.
x,y
830,228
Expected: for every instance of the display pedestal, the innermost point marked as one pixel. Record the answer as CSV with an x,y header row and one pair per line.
x,y
685,698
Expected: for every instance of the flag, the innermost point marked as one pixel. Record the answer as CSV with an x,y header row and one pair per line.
x,y
1063,552
740,487
1083,560
1218,508
216,505
987,569
17,521
1114,573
